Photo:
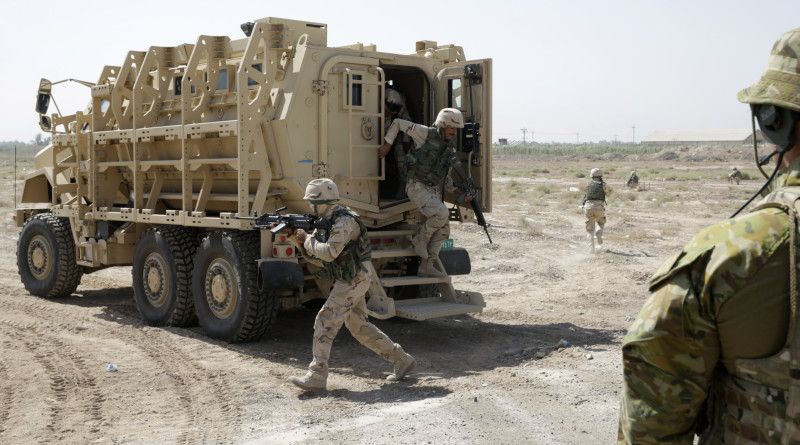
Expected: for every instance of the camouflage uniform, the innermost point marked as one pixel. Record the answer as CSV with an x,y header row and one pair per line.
x,y
715,351
735,176
423,188
595,211
396,169
345,304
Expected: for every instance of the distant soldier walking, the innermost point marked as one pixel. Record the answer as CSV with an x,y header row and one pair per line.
x,y
594,207
734,176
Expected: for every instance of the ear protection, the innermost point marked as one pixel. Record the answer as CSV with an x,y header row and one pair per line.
x,y
777,125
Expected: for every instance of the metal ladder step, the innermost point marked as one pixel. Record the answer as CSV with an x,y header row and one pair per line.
x,y
426,308
392,253
411,280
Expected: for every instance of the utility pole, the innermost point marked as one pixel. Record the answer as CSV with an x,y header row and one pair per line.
x,y
524,133
634,134
615,139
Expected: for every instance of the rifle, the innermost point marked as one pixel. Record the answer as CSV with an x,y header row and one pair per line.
x,y
467,186
276,222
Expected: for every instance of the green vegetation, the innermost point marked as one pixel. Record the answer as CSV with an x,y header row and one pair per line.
x,y
574,149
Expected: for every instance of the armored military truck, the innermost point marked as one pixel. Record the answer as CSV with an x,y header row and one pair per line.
x,y
179,145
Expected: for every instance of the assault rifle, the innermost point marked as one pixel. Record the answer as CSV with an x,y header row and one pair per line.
x,y
276,222
467,186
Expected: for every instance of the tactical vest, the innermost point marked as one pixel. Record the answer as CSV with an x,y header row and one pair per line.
x,y
431,159
761,402
594,191
349,262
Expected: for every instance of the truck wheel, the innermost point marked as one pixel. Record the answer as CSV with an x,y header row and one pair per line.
x,y
162,276
225,286
46,257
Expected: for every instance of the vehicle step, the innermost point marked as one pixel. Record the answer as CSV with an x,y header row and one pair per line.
x,y
426,308
390,233
392,253
412,280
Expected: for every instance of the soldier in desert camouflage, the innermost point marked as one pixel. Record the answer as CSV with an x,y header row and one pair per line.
x,y
734,176
343,255
715,351
594,207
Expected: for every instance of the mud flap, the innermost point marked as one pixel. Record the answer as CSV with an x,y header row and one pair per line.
x,y
280,275
456,261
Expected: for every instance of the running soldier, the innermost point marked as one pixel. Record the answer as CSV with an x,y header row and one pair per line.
x,y
594,207
345,259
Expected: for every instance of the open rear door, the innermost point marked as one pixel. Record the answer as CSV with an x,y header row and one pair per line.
x,y
467,86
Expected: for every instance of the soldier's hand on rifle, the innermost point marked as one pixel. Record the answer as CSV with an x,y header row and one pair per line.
x,y
384,150
467,198
301,235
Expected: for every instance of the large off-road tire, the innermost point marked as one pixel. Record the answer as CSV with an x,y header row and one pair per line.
x,y
162,276
46,257
228,303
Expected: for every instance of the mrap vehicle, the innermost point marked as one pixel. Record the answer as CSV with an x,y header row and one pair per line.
x,y
179,145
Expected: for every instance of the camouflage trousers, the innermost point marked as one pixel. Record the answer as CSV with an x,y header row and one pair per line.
x,y
346,305
435,216
595,221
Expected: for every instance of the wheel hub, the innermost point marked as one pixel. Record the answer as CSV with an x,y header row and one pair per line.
x,y
154,279
39,254
221,290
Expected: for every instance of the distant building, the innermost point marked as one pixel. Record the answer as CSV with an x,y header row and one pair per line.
x,y
702,137
502,141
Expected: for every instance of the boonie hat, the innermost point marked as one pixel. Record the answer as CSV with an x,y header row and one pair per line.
x,y
780,83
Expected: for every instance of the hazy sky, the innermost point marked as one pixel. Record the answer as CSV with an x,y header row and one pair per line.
x,y
566,70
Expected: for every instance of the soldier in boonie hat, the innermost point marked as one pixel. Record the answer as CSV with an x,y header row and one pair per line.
x,y
780,83
715,350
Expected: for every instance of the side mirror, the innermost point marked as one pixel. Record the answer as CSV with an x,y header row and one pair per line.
x,y
43,100
45,123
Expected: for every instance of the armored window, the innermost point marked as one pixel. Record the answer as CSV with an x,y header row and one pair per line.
x,y
222,84
454,93
356,89
178,85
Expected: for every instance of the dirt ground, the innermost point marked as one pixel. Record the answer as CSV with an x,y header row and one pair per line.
x,y
492,378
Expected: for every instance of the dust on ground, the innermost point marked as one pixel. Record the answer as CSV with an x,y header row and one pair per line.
x,y
496,377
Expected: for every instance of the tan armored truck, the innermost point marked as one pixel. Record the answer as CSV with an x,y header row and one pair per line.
x,y
179,144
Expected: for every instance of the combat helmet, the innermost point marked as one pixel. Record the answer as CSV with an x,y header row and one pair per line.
x,y
596,173
321,191
449,117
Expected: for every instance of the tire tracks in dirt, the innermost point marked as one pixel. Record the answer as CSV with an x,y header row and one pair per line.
x,y
204,395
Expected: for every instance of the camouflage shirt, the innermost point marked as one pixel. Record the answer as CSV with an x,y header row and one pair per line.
x,y
723,298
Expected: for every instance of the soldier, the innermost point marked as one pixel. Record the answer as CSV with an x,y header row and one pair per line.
x,y
715,351
427,170
344,258
633,181
395,108
594,202
734,176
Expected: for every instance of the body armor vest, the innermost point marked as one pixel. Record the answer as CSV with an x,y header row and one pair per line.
x,y
761,402
594,191
349,262
431,166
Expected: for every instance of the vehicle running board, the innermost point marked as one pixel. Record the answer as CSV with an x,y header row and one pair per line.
x,y
426,308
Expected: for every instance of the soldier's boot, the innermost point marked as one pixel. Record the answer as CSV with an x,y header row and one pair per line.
x,y
403,364
430,268
420,243
312,381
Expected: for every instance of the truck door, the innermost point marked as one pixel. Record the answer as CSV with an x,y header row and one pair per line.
x,y
467,86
